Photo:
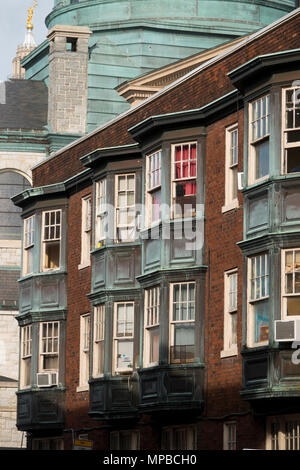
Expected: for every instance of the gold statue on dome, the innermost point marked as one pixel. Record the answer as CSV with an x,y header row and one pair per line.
x,y
30,15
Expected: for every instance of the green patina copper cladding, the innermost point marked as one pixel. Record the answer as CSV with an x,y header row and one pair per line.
x,y
133,37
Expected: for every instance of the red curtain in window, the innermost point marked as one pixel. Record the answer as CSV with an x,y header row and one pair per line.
x,y
185,158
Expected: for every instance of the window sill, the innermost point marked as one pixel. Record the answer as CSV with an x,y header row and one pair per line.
x,y
82,388
84,265
229,207
229,352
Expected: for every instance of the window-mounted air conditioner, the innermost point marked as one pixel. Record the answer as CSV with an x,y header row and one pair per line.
x,y
240,177
47,379
287,330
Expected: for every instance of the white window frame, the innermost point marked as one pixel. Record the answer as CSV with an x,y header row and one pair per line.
x,y
101,213
50,239
117,339
187,179
230,309
29,236
26,355
99,340
153,183
117,435
255,140
284,295
84,364
129,208
251,301
151,322
86,230
43,354
229,436
277,439
186,321
286,129
189,434
231,166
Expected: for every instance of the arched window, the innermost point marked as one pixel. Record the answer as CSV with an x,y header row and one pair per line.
x,y
11,183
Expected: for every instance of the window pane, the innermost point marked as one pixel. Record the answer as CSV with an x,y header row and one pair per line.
x,y
262,159
124,354
261,318
293,305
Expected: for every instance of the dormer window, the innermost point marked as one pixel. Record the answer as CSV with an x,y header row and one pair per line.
x,y
291,129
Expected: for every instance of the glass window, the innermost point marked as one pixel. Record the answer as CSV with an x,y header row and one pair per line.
x,y
151,345
258,320
86,225
259,139
229,432
182,322
125,208
291,129
124,440
49,346
99,329
153,187
51,239
291,283
84,349
230,311
101,213
123,337
231,175
184,179
179,438
11,183
283,432
26,355
28,245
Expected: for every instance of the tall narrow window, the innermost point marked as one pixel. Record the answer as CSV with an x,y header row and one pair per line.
x,y
291,129
184,179
258,300
28,245
153,187
49,346
101,213
99,329
259,139
229,436
151,343
230,313
51,239
86,226
84,349
231,172
291,283
125,208
123,337
182,322
26,355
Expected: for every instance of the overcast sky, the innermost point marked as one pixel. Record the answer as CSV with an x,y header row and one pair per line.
x,y
13,19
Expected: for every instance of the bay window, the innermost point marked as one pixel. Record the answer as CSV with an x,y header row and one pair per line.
x,y
291,129
283,432
28,245
184,184
51,239
230,313
182,322
258,300
291,283
231,170
86,226
151,332
259,139
153,187
123,337
125,207
99,329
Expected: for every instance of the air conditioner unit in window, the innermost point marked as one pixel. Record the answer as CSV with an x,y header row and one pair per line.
x,y
287,330
47,379
240,177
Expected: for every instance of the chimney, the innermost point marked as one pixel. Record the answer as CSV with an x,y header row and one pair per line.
x,y
68,78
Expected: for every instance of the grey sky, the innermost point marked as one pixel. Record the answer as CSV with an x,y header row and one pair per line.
x,y
13,19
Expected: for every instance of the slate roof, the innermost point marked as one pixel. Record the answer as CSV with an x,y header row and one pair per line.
x,y
23,104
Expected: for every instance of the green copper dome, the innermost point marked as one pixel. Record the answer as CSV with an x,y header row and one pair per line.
x,y
132,37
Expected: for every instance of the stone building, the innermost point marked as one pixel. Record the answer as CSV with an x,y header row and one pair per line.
x,y
159,295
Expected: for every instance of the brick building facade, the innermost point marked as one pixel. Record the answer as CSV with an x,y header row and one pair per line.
x,y
159,252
